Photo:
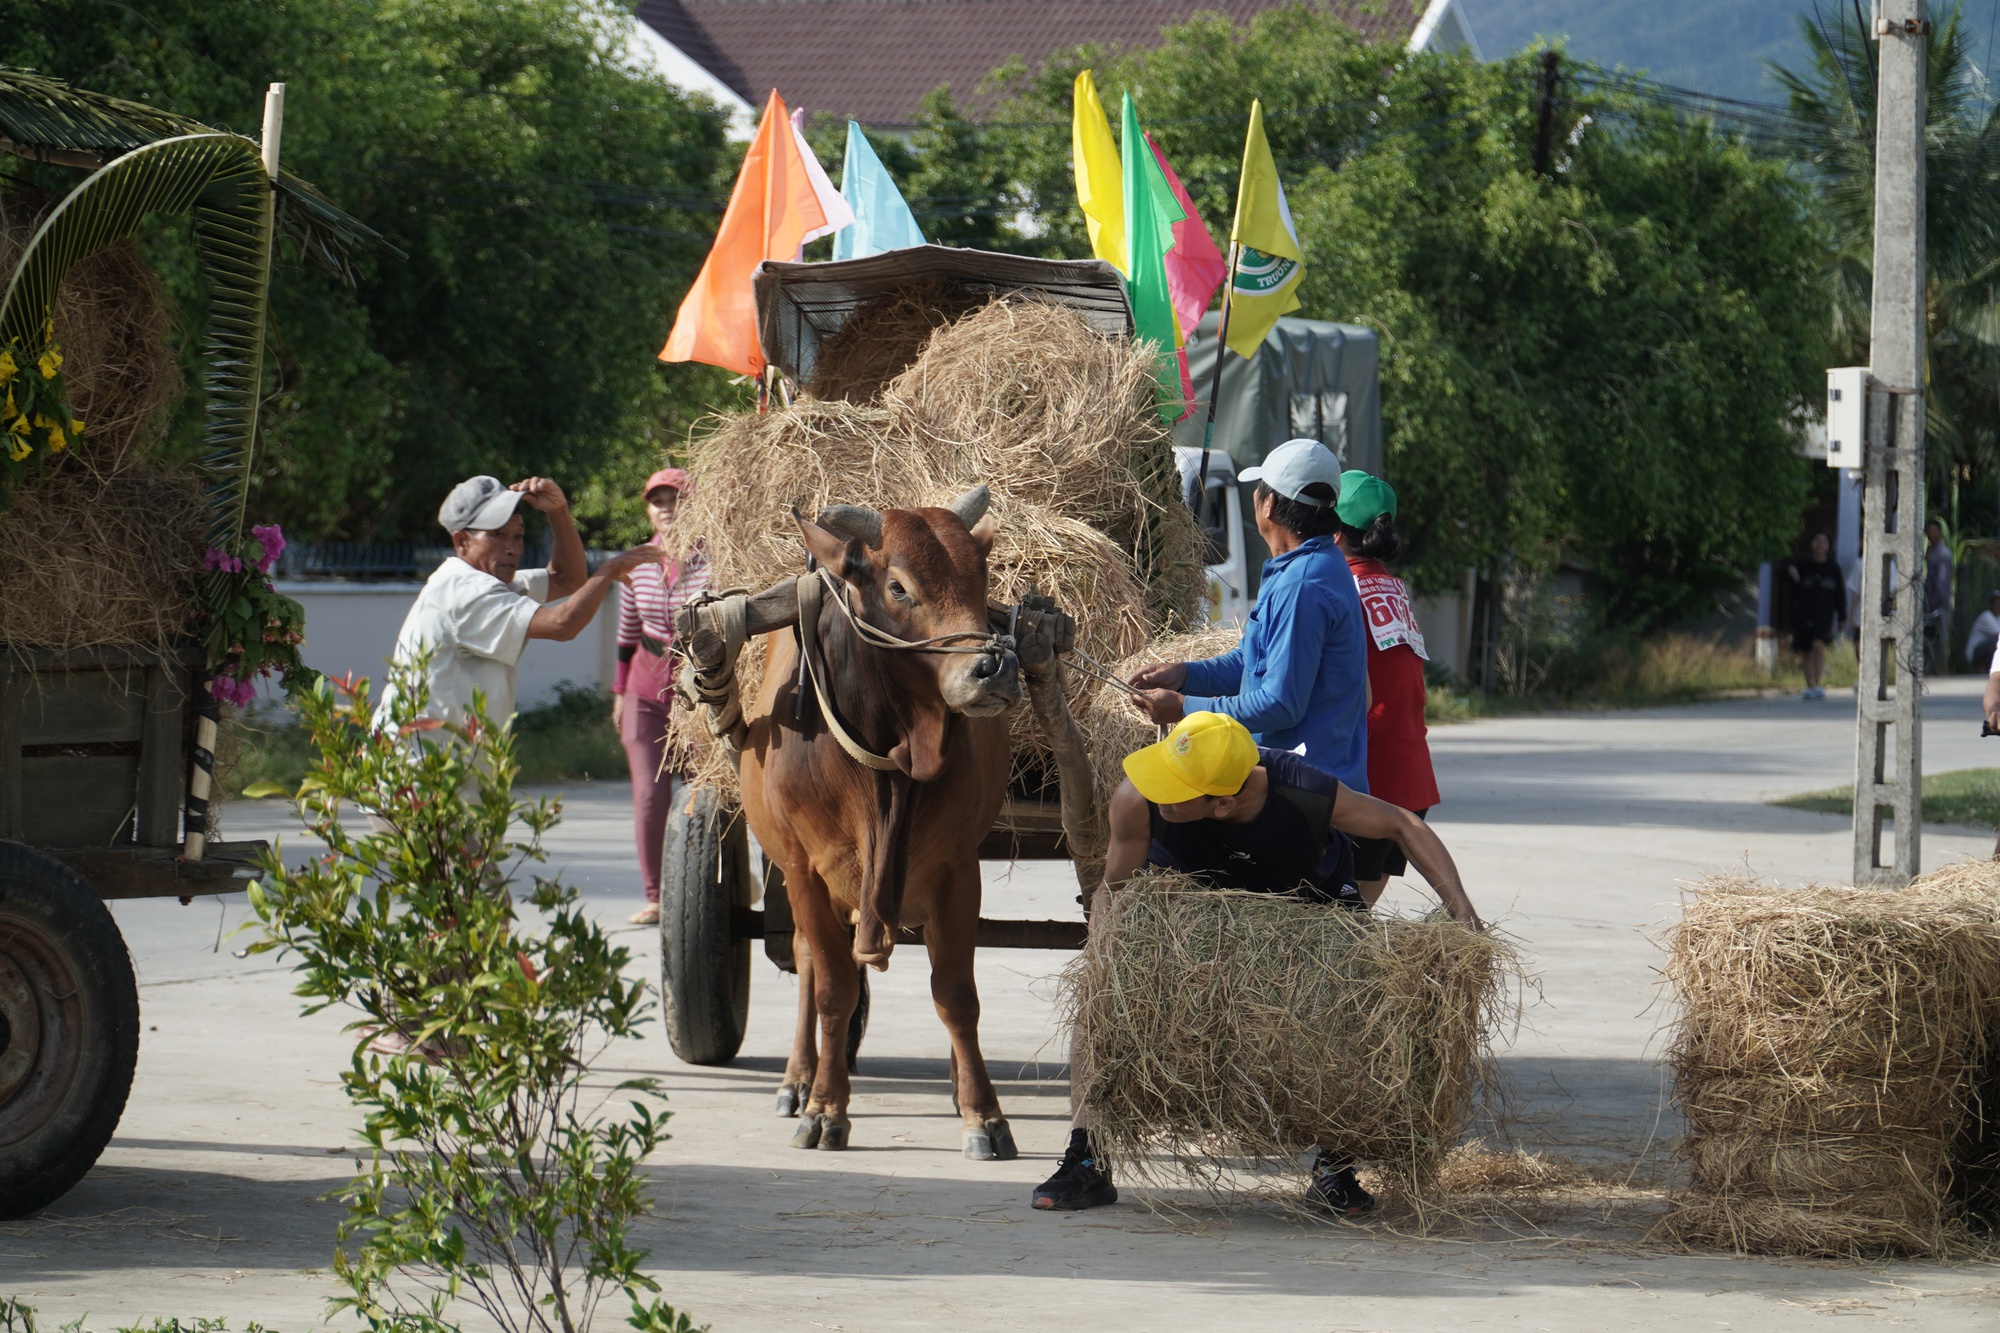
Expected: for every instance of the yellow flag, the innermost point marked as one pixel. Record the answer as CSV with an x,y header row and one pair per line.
x,y
1265,281
1100,176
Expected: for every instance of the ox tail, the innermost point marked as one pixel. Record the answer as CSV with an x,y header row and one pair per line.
x,y
888,865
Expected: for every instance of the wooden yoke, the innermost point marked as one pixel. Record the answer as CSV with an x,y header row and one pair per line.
x,y
711,635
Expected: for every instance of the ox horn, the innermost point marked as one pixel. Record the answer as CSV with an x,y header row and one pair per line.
x,y
971,506
856,521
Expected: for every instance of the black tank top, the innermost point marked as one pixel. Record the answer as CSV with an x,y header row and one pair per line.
x,y
1287,848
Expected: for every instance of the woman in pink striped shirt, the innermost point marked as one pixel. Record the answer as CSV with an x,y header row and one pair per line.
x,y
642,692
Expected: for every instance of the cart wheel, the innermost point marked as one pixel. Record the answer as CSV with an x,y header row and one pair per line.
x,y
69,1028
704,966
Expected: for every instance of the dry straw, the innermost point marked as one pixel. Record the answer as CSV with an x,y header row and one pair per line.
x,y
1219,1036
1833,1060
104,548
1085,501
883,336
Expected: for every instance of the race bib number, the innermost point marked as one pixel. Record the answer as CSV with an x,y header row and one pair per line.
x,y
1387,607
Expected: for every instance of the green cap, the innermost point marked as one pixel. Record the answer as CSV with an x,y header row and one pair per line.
x,y
1362,497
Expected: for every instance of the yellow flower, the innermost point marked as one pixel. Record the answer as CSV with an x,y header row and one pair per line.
x,y
76,425
8,368
19,425
56,441
21,449
50,362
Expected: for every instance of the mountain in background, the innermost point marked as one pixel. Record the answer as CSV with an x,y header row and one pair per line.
x,y
1715,46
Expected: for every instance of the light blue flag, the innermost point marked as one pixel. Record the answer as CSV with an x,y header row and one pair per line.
x,y
882,221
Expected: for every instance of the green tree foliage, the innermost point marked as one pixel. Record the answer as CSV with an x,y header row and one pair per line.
x,y
1834,98
494,1173
550,204
1602,366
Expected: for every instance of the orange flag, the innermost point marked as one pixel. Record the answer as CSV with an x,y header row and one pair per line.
x,y
770,212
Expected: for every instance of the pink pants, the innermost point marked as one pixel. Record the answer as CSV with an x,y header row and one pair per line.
x,y
648,706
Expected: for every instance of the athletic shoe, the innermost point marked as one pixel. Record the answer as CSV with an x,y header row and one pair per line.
x,y
1079,1183
1339,1192
649,915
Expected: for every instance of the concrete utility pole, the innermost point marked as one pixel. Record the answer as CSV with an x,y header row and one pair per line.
x,y
1889,749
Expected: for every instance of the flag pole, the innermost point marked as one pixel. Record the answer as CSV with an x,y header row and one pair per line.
x,y
1215,382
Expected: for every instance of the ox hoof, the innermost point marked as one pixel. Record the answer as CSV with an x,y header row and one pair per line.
x,y
790,1098
834,1134
811,1125
993,1141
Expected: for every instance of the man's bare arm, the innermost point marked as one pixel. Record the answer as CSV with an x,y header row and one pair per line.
x,y
568,567
1131,836
565,620
1360,816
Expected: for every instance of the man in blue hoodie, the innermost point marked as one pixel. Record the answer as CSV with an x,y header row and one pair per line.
x,y
1300,678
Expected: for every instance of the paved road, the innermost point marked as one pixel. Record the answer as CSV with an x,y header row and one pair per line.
x,y
1576,831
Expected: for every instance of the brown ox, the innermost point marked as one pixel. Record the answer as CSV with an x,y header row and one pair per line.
x,y
868,851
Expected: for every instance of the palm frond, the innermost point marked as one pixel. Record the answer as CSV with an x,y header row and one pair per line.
x,y
48,120
220,178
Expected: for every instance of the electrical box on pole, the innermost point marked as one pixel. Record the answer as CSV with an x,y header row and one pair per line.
x,y
1846,415
1889,697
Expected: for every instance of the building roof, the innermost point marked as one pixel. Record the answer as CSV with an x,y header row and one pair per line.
x,y
873,60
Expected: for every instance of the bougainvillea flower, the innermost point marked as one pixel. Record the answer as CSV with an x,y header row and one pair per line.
x,y
272,538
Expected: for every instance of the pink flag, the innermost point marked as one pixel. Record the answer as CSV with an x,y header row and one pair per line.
x,y
1195,268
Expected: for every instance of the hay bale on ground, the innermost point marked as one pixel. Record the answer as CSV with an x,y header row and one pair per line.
x,y
1834,1060
1113,728
92,561
1077,497
1221,1034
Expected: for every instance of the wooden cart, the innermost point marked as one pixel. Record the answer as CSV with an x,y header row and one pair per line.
x,y
95,748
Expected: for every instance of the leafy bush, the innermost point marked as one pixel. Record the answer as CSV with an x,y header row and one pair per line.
x,y
491,1177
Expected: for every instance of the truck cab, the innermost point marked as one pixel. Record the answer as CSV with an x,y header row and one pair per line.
x,y
1226,534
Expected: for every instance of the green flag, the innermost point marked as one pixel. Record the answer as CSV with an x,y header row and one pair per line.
x,y
1150,214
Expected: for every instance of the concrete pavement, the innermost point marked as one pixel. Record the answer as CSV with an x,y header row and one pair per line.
x,y
1576,831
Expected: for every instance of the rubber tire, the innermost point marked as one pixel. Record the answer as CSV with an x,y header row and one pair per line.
x,y
704,967
65,970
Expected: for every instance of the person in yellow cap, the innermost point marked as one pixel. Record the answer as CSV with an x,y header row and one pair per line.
x,y
1212,803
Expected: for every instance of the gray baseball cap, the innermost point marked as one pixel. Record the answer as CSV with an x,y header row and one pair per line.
x,y
478,503
1295,465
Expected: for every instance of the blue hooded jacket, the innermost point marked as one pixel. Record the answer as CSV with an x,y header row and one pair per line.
x,y
1301,674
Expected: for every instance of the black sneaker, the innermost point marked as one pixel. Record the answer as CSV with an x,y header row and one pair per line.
x,y
1080,1182
1338,1191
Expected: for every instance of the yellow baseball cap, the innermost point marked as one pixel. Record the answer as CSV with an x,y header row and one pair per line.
x,y
1207,754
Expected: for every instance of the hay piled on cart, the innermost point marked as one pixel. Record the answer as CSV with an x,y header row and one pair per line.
x,y
1021,395
1834,1059
1220,1035
104,548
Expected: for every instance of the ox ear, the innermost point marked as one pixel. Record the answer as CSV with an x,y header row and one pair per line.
x,y
982,534
832,549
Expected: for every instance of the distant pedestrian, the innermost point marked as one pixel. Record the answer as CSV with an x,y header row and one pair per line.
x,y
1819,599
1985,633
1299,681
1399,757
642,694
1937,598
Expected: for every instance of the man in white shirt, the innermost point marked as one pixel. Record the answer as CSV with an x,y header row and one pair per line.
x,y
478,611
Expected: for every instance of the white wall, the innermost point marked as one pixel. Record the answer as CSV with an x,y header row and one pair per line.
x,y
352,627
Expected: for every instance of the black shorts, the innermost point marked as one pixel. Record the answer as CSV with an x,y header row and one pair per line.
x,y
1805,636
1380,858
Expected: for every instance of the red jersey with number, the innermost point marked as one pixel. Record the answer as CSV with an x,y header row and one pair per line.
x,y
1399,758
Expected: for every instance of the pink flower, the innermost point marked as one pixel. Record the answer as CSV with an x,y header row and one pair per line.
x,y
272,538
222,560
232,690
